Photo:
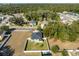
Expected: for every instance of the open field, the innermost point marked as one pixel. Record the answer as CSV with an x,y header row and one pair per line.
x,y
64,45
18,41
31,45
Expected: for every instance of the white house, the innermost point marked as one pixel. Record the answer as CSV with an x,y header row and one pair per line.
x,y
1,17
44,23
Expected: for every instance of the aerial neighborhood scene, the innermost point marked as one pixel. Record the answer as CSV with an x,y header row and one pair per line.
x,y
39,29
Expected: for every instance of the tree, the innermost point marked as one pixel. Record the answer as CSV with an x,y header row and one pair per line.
x,y
4,28
28,16
47,31
55,16
55,48
61,31
73,31
44,15
39,28
75,26
32,15
17,21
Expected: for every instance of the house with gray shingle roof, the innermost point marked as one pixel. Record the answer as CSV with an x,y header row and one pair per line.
x,y
37,36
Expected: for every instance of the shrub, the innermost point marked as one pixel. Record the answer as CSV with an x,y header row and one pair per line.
x,y
4,28
55,48
64,53
41,45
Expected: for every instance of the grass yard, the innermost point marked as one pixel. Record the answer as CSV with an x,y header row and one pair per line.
x,y
31,45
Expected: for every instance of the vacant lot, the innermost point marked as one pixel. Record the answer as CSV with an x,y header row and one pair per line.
x,y
18,41
37,46
64,45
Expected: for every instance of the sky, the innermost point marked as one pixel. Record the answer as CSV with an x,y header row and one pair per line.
x,y
39,1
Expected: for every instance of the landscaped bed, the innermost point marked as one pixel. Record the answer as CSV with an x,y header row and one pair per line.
x,y
32,45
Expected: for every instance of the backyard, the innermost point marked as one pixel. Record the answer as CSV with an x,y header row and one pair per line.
x,y
31,45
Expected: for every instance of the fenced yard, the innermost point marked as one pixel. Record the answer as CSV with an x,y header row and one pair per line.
x,y
38,46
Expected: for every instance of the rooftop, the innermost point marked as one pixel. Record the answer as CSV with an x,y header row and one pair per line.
x,y
68,17
37,35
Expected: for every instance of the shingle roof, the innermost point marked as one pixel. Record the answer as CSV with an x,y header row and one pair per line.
x,y
37,35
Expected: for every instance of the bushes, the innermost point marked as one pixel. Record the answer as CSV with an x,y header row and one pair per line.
x,y
4,28
39,28
55,48
64,53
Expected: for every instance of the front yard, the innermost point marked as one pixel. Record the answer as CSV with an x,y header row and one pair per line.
x,y
31,45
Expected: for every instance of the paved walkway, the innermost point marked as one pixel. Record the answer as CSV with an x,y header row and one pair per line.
x,y
18,41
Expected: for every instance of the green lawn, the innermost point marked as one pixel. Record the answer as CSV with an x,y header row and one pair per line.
x,y
37,46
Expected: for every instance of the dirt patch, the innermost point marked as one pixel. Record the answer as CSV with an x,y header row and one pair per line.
x,y
64,45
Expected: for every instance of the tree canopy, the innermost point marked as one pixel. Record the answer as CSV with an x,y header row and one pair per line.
x,y
62,31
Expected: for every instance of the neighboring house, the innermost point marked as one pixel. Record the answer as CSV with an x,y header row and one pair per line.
x,y
32,23
1,18
37,36
4,19
44,23
18,15
68,17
